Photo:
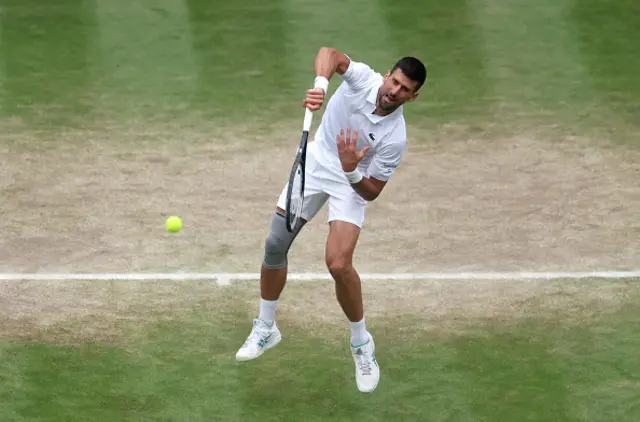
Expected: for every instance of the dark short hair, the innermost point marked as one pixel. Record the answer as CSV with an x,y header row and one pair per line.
x,y
412,69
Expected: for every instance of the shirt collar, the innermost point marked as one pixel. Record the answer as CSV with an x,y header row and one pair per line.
x,y
373,94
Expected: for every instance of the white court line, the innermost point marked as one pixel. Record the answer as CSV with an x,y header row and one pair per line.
x,y
226,278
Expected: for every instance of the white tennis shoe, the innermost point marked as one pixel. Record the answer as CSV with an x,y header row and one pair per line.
x,y
367,369
262,337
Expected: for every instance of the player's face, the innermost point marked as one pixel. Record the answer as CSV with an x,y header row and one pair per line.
x,y
396,90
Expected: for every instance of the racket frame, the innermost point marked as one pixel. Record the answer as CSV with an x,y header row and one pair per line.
x,y
300,160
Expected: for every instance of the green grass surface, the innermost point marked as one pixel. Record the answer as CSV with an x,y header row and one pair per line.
x,y
84,63
551,366
131,69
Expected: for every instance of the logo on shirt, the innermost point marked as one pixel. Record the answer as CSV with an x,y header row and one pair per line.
x,y
373,138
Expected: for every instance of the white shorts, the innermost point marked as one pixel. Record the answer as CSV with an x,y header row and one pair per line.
x,y
322,184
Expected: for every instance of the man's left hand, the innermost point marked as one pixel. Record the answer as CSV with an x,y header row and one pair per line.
x,y
349,157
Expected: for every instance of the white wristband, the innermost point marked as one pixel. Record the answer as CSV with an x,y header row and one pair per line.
x,y
354,176
321,82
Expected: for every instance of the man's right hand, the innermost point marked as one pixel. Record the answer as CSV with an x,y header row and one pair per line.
x,y
314,99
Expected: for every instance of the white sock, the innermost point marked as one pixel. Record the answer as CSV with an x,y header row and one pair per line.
x,y
268,310
359,333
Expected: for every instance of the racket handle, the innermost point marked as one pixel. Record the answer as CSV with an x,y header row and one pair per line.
x,y
308,117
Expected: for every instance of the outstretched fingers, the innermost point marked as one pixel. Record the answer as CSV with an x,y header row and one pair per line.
x,y
348,140
340,140
354,138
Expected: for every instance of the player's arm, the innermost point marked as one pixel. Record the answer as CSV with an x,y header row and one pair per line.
x,y
380,170
369,188
328,62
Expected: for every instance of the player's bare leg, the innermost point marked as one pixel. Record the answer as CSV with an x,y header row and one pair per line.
x,y
273,275
341,244
272,282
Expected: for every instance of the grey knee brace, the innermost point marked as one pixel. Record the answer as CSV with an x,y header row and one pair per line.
x,y
277,243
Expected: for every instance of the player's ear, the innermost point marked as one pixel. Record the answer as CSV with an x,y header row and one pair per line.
x,y
386,75
413,96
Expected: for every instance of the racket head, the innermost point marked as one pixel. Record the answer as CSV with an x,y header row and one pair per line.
x,y
295,189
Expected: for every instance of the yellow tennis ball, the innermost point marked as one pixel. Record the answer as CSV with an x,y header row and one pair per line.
x,y
174,224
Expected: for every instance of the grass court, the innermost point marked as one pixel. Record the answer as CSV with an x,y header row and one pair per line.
x,y
523,155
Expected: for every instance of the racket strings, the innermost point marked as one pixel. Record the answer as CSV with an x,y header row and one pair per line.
x,y
296,196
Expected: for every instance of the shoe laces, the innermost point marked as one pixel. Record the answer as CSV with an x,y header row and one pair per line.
x,y
258,332
363,362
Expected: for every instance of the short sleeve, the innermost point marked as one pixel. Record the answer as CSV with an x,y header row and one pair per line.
x,y
387,159
358,75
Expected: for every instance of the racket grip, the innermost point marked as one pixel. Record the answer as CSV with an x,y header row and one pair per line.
x,y
308,117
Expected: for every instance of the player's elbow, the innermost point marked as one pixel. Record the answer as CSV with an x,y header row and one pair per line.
x,y
371,195
376,195
375,188
326,53
368,197
339,60
327,50
330,53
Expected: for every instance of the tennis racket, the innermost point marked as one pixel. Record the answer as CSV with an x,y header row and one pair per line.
x,y
295,190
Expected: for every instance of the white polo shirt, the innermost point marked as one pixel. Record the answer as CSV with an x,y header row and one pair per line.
x,y
352,106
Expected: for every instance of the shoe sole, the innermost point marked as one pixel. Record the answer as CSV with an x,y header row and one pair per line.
x,y
273,343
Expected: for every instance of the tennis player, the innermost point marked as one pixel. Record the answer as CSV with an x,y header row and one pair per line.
x,y
358,146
